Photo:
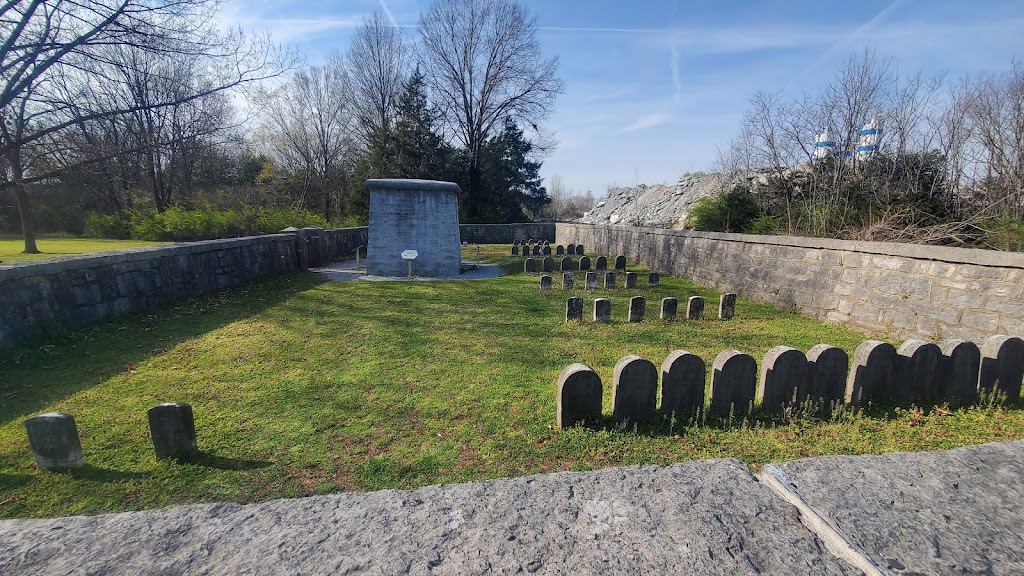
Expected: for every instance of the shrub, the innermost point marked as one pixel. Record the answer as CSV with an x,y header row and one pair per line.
x,y
178,224
765,225
108,225
732,211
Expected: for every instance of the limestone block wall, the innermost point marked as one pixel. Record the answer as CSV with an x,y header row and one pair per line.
x,y
507,233
81,290
885,289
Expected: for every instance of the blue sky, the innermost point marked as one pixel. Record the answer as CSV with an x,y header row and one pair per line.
x,y
653,88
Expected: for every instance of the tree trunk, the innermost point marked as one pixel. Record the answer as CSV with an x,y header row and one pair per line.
x,y
28,225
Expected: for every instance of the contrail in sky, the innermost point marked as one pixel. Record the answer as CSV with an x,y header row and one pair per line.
x,y
387,12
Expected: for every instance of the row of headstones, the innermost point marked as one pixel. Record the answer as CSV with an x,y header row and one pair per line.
x,y
55,444
638,307
918,370
590,280
545,249
567,263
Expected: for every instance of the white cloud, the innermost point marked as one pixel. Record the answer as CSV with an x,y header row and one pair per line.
x,y
649,121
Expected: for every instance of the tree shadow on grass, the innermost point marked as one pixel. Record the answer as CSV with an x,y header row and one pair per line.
x,y
107,475
52,367
9,482
210,460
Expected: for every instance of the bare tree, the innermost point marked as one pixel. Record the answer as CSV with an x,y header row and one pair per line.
x,y
996,114
378,62
309,124
484,65
52,52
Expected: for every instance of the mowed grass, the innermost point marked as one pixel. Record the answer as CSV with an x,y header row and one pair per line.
x,y
302,386
11,249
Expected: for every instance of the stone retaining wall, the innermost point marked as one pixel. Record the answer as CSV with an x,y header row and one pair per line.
x,y
884,289
506,233
82,290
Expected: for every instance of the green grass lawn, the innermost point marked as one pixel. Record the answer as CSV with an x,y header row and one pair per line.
x,y
302,386
11,248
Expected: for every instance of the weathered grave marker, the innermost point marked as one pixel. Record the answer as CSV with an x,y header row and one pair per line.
x,y
568,264
568,281
634,390
559,250
530,265
537,249
602,263
1002,365
630,279
682,384
620,263
173,430
574,310
591,281
695,308
549,264
961,366
547,250
571,249
727,306
579,396
53,441
827,367
515,249
783,378
585,263
637,307
874,365
602,310
579,250
545,282
609,280
917,368
669,306
733,383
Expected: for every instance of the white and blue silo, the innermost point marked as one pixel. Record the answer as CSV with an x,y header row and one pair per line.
x,y
867,143
824,146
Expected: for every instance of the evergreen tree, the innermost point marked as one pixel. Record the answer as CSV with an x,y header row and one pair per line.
x,y
510,189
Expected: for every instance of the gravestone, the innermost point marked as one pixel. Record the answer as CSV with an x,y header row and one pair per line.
x,y
173,430
874,365
579,250
653,280
634,390
695,308
559,250
568,281
727,306
545,282
546,243
530,265
630,279
579,396
637,306
572,249
549,264
620,263
602,263
517,242
961,365
1002,365
591,281
917,375
783,378
668,308
547,250
682,384
515,249
53,441
827,367
585,263
609,280
602,310
568,264
733,384
537,249
530,241
574,310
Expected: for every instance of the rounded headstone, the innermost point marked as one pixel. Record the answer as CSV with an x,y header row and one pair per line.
x,y
961,365
620,263
549,264
873,368
585,263
568,264
591,281
516,243
546,243
727,306
568,280
515,249
173,430
682,383
783,378
827,367
695,308
653,280
1002,365
637,307
609,280
571,249
602,310
630,279
634,390
545,282
530,265
602,263
579,396
918,370
54,442
537,248
733,383
579,250
559,250
669,306
574,310
546,250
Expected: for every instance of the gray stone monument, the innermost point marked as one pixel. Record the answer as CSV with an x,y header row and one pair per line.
x,y
609,280
545,282
421,215
1002,365
669,306
173,430
733,384
571,249
653,280
53,440
568,264
918,370
579,396
591,281
727,306
530,265
783,378
574,310
961,365
549,264
602,310
602,263
637,307
559,250
630,279
634,390
827,367
585,263
579,250
682,384
873,368
568,280
695,308
620,263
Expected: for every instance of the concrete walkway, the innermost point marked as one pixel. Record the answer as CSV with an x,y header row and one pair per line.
x,y
954,512
347,270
